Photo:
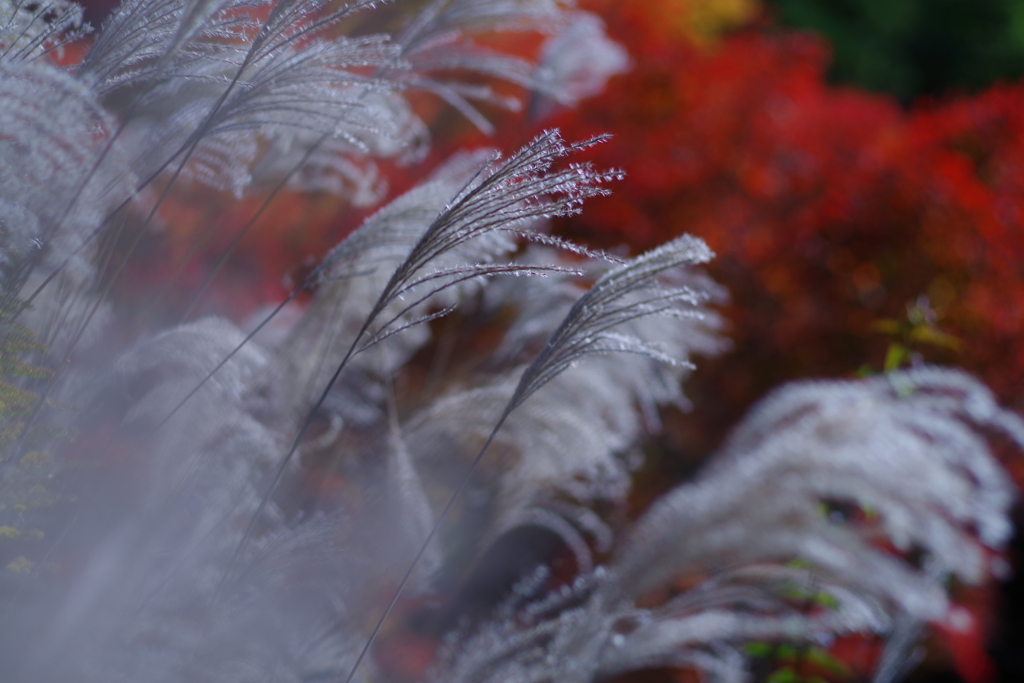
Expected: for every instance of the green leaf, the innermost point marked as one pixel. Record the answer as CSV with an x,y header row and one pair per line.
x,y
784,674
826,661
759,649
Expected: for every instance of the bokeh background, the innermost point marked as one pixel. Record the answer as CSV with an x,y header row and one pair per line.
x,y
857,165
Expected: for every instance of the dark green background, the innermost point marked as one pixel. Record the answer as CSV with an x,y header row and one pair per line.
x,y
911,48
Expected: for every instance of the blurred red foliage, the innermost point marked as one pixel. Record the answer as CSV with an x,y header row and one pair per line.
x,y
830,208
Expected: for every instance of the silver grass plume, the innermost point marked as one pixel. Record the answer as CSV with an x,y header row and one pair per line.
x,y
427,247
943,494
609,317
458,247
569,447
764,501
440,41
43,156
249,85
588,328
310,88
29,30
146,39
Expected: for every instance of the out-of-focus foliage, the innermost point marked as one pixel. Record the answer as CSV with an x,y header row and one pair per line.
x,y
830,208
916,47
26,480
700,22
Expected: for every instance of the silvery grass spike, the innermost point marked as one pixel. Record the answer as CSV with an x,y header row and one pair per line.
x,y
455,249
731,537
639,288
